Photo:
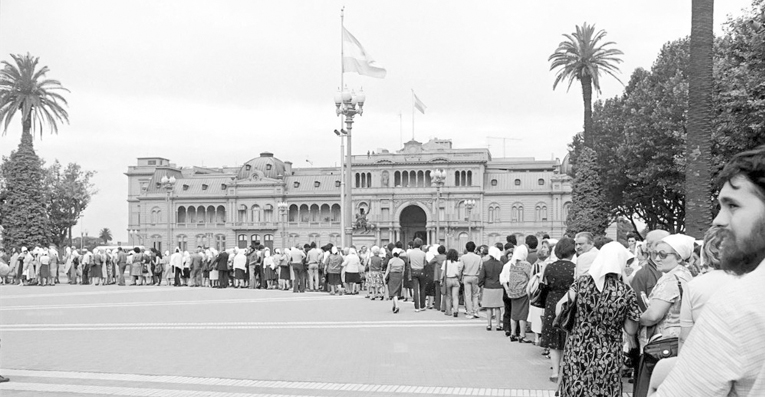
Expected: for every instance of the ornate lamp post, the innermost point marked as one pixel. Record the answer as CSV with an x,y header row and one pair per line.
x,y
342,134
282,206
168,184
82,239
349,104
469,204
438,177
132,233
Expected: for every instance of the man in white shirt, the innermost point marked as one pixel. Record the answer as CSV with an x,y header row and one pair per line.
x,y
725,352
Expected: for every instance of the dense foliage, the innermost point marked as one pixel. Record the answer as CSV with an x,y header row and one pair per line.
x,y
589,210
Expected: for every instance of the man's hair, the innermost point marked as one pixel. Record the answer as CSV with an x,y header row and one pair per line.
x,y
545,236
586,235
313,244
631,235
565,248
500,246
417,242
399,244
136,250
750,165
512,239
601,241
441,249
507,246
470,246
532,241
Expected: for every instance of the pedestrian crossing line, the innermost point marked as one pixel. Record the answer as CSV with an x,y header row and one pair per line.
x,y
351,388
238,323
162,303
98,291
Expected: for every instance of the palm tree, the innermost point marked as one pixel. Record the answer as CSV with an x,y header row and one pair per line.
x,y
698,186
582,57
24,88
105,234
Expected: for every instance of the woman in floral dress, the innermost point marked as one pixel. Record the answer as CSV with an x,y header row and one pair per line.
x,y
558,276
605,306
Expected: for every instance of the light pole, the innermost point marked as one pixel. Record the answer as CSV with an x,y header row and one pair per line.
x,y
342,134
469,204
132,233
168,184
282,206
349,104
438,177
82,238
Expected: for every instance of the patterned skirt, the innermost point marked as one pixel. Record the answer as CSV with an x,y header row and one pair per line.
x,y
375,279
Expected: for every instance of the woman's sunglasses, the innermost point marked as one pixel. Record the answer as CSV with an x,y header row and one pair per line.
x,y
661,255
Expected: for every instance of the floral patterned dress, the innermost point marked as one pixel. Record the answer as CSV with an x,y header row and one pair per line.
x,y
593,353
558,276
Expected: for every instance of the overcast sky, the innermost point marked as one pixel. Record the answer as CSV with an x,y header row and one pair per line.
x,y
216,82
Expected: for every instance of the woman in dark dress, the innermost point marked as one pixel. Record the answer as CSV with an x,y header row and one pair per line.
x,y
394,273
605,306
558,276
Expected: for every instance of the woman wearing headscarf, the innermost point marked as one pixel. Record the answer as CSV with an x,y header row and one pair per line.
x,y
214,275
135,260
394,273
351,266
606,307
334,266
517,276
269,267
488,278
167,270
558,277
240,264
44,267
537,269
375,274
284,270
96,270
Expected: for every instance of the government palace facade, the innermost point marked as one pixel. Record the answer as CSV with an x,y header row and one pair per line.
x,y
393,195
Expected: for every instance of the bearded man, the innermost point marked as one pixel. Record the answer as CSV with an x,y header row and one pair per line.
x,y
725,352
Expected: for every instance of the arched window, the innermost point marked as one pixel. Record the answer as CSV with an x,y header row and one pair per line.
x,y
541,212
256,213
192,214
428,179
305,214
268,213
405,179
220,242
461,211
242,213
324,213
268,241
156,216
369,179
183,242
210,214
397,179
293,215
254,238
463,178
420,179
294,239
470,178
456,178
358,180
220,214
201,214
335,213
181,214
314,213
494,212
412,179
516,213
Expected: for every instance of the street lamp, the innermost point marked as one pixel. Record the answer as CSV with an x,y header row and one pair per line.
x,y
349,104
168,184
439,178
82,239
132,233
469,204
342,134
282,206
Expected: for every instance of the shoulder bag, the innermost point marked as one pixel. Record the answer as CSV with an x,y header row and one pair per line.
x,y
538,298
567,316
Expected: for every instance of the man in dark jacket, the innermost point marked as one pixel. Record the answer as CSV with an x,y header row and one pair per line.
x,y
221,263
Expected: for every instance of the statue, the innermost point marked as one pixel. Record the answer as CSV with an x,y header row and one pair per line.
x,y
361,221
385,178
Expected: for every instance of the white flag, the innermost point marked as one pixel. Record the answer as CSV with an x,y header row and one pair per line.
x,y
418,103
357,60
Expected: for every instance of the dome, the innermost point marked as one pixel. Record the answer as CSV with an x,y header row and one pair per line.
x,y
264,166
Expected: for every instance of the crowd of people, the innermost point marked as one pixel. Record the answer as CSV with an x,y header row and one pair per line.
x,y
627,301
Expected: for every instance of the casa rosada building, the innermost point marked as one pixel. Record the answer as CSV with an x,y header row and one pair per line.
x,y
394,198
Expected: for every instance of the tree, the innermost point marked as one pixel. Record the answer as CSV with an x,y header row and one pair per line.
x,y
67,193
698,152
589,209
582,57
105,234
23,88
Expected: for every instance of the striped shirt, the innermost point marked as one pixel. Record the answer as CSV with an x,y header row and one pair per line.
x,y
725,353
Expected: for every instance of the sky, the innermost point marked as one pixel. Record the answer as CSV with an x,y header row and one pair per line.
x,y
215,83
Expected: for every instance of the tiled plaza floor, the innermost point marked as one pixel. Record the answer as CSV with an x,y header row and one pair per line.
x,y
164,341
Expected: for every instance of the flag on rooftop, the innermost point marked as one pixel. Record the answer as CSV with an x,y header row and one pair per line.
x,y
418,103
357,60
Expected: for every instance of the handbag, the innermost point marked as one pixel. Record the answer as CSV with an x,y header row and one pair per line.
x,y
567,316
539,297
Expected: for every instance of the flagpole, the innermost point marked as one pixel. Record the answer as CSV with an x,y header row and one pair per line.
x,y
400,129
342,162
412,114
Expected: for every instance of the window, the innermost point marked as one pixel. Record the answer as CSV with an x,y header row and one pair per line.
x,y
541,182
156,215
185,187
541,212
494,212
293,214
242,213
517,182
268,167
494,182
268,213
256,213
316,184
220,242
223,186
201,240
296,184
337,183
255,239
182,242
152,162
181,215
248,167
516,213
204,186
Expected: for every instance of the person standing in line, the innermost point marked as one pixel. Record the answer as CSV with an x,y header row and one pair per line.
x,y
253,260
121,265
54,261
351,268
313,257
504,279
96,270
537,269
214,273
416,258
429,274
585,253
221,264
196,259
334,269
296,263
176,262
284,270
148,260
452,268
395,276
135,262
488,278
519,274
44,268
168,272
472,267
532,242
240,263
439,292
269,268
375,275
558,276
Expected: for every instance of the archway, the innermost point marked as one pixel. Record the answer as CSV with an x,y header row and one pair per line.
x,y
413,221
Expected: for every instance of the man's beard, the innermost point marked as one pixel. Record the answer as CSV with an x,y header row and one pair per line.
x,y
743,256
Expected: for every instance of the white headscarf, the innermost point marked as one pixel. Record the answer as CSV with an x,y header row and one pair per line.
x,y
681,243
611,258
334,250
495,253
432,252
352,251
520,253
552,242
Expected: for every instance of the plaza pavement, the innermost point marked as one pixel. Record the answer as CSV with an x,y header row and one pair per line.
x,y
164,341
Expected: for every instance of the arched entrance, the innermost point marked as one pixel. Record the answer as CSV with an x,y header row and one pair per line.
x,y
413,222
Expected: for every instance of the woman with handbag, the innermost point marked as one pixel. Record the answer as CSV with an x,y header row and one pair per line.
x,y
558,277
603,308
662,317
537,269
